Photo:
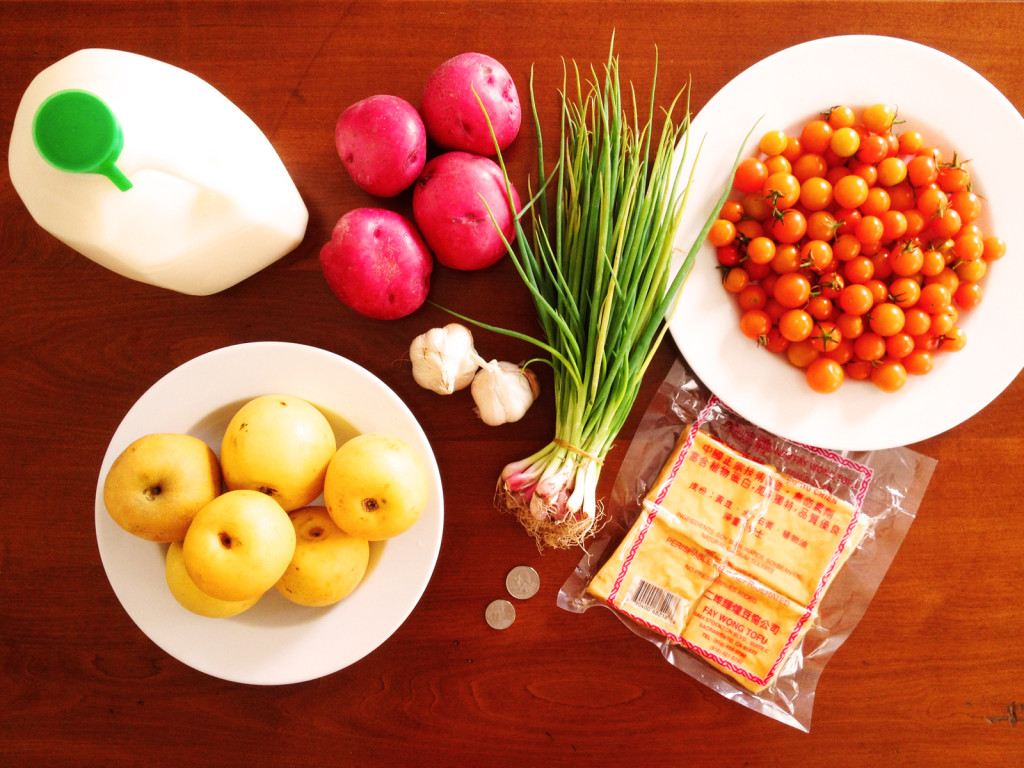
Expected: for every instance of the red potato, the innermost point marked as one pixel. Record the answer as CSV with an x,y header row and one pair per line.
x,y
377,263
452,114
453,203
382,143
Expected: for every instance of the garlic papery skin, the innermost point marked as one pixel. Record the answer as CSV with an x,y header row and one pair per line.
x,y
443,359
503,392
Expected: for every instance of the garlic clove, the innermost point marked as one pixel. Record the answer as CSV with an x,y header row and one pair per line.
x,y
443,359
503,392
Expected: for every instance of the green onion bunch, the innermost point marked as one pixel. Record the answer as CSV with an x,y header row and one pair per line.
x,y
598,261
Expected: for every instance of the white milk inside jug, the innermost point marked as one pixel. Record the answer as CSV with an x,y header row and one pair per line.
x,y
183,191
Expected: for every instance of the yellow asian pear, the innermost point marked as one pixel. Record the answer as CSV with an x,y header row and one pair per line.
x,y
159,482
279,445
376,486
328,564
238,545
194,599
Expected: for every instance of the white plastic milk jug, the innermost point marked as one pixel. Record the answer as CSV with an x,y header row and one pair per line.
x,y
151,172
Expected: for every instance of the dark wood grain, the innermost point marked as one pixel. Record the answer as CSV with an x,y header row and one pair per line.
x,y
933,675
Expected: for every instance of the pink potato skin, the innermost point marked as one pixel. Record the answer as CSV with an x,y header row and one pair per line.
x,y
453,203
452,114
377,263
382,143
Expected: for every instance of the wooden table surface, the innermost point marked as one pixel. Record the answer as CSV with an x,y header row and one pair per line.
x,y
933,674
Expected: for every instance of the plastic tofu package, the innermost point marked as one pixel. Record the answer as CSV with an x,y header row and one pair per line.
x,y
747,558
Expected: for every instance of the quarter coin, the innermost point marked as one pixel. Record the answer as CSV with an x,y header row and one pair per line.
x,y
500,614
522,582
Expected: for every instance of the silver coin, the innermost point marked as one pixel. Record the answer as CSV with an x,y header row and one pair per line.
x,y
500,614
522,582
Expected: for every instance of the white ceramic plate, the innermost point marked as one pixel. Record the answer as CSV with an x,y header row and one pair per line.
x,y
276,641
957,109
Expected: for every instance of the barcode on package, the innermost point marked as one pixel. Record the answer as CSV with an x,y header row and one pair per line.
x,y
656,601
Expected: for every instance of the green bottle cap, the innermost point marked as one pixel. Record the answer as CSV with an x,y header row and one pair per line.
x,y
75,131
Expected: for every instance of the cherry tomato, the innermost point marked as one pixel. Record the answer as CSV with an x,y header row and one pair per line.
x,y
825,336
946,223
898,346
995,248
935,297
859,269
845,141
801,353
821,225
751,174
778,164
755,323
911,142
870,230
881,260
901,196
732,210
794,149
891,171
774,342
943,322
846,247
886,319
816,136
953,341
752,297
830,285
906,259
930,201
889,376
932,263
792,290
922,170
953,177
761,249
782,189
824,375
869,346
873,149
916,321
894,225
816,255
852,326
773,143
856,299
722,232
918,362
859,370
879,118
904,292
736,279
850,191
788,226
877,202
756,206
796,325
968,295
815,193
787,258
819,307
967,204
809,165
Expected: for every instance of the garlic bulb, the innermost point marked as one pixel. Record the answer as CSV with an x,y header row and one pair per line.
x,y
503,392
443,359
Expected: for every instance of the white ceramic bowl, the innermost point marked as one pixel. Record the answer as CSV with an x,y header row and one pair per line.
x,y
276,641
957,109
